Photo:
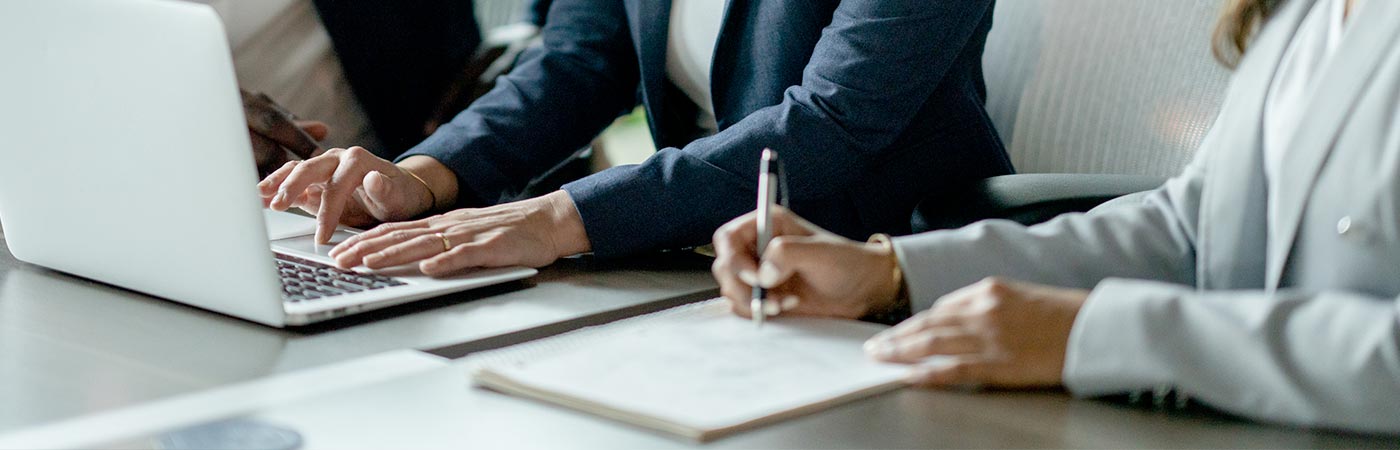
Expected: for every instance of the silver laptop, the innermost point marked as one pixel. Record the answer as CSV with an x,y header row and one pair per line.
x,y
124,158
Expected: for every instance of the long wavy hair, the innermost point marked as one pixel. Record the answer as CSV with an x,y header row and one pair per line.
x,y
1238,23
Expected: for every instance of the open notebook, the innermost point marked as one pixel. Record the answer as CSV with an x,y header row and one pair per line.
x,y
696,370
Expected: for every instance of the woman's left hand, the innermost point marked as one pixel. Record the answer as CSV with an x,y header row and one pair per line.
x,y
531,233
995,333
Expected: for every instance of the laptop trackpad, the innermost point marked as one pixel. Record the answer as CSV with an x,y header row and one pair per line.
x,y
306,246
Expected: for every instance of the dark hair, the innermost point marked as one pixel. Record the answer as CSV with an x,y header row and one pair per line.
x,y
1238,23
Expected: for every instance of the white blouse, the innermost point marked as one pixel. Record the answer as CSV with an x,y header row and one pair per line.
x,y
1317,39
690,49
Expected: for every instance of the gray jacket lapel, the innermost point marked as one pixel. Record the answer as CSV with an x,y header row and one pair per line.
x,y
1329,108
1233,245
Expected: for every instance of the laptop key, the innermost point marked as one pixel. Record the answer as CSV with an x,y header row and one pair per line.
x,y
348,287
305,280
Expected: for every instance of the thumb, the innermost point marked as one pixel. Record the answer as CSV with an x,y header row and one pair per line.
x,y
381,195
316,129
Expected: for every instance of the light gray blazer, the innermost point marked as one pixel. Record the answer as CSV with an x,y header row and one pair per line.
x,y
1301,330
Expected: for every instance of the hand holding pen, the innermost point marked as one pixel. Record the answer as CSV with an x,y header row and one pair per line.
x,y
771,262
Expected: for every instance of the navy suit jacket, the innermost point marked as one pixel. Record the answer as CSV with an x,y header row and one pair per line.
x,y
874,105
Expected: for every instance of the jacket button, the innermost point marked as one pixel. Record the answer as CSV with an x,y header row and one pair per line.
x,y
1344,226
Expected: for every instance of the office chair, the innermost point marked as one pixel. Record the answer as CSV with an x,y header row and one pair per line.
x,y
1095,99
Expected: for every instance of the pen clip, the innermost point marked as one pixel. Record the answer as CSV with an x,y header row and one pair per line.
x,y
782,183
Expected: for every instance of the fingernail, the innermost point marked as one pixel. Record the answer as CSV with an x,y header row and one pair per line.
x,y
281,196
767,275
932,371
748,277
790,303
881,349
771,308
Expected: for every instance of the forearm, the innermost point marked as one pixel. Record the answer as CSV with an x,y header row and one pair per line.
x,y
1327,359
672,200
1076,251
558,97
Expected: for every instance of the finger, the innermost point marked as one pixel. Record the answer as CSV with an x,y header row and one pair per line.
x,y
413,250
346,179
270,120
318,130
356,253
950,309
790,303
740,309
310,202
731,286
932,342
952,371
268,186
924,320
736,266
465,256
377,232
313,171
268,155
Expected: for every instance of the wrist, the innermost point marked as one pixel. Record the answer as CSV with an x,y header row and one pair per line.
x,y
440,181
568,235
889,299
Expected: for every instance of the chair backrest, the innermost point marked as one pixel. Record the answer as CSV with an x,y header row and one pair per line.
x,y
1103,86
496,13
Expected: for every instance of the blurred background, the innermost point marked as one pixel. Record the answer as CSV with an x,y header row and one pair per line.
x,y
382,73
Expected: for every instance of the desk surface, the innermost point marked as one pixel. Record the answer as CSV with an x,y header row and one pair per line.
x,y
438,409
71,347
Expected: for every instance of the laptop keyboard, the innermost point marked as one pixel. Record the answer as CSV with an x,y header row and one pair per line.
x,y
305,280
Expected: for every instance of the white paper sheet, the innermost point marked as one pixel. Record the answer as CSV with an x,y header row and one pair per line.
x,y
705,369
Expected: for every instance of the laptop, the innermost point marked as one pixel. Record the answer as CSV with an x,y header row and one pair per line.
x,y
125,158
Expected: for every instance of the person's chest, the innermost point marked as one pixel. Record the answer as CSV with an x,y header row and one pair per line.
x,y
761,50
1336,210
1348,235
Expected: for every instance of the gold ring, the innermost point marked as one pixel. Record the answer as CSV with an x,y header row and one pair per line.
x,y
446,244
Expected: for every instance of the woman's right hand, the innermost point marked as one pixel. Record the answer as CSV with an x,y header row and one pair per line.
x,y
807,270
346,186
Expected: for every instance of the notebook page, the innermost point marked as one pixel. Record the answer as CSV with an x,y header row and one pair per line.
x,y
704,368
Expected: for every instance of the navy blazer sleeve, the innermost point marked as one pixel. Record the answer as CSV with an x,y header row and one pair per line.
x,y
874,67
556,100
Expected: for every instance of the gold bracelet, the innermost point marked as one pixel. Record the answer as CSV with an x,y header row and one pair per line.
x,y
885,241
433,196
899,308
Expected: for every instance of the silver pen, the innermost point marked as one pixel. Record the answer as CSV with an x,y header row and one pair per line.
x,y
769,178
